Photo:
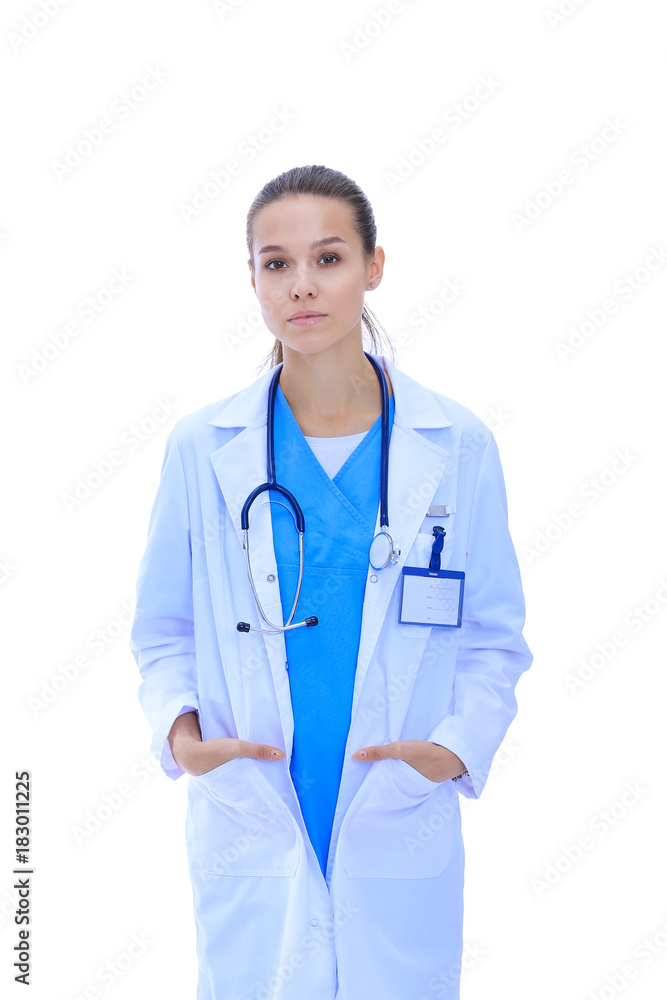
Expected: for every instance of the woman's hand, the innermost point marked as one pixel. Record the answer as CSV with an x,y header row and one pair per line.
x,y
196,756
433,761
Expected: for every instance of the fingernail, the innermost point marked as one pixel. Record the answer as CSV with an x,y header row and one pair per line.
x,y
362,753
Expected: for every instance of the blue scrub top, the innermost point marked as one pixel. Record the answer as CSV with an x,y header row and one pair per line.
x,y
340,516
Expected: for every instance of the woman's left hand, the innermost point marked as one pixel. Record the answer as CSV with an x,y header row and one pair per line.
x,y
433,761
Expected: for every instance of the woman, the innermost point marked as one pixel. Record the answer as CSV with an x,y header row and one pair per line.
x,y
325,760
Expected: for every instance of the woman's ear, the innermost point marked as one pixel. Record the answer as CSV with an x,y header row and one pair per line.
x,y
377,267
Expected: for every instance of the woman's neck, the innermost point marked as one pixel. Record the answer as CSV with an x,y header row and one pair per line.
x,y
331,396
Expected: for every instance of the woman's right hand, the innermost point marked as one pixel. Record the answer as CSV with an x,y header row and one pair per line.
x,y
196,756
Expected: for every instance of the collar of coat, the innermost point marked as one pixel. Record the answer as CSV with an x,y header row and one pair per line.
x,y
414,405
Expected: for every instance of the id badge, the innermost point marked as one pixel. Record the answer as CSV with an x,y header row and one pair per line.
x,y
431,597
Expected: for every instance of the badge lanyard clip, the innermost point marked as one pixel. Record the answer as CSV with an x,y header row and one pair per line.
x,y
439,533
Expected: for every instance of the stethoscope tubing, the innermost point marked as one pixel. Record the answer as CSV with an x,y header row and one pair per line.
x,y
297,512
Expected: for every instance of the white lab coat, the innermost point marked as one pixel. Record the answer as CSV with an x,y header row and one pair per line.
x,y
387,921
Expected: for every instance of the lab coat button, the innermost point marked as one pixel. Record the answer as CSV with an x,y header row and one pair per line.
x,y
270,578
373,578
314,921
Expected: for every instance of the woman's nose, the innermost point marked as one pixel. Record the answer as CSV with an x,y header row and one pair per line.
x,y
303,284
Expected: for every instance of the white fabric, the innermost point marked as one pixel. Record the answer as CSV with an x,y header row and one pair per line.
x,y
333,453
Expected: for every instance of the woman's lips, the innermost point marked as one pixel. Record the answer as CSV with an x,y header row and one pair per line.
x,y
307,320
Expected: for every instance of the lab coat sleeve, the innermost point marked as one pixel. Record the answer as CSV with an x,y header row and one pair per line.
x,y
162,634
492,653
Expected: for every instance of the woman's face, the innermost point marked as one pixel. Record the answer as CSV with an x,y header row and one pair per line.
x,y
292,275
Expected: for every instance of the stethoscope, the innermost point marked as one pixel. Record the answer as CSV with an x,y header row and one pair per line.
x,y
382,538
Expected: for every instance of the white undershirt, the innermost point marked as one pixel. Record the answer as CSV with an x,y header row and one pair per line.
x,y
333,452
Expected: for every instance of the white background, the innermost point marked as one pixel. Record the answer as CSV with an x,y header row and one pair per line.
x,y
186,329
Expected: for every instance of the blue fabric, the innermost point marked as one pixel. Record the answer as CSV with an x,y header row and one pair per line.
x,y
340,516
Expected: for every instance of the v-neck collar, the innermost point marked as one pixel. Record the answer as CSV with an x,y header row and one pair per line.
x,y
335,484
374,429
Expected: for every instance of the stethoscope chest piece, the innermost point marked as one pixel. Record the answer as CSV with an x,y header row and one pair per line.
x,y
383,551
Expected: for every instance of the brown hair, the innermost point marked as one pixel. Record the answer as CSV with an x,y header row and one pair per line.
x,y
323,182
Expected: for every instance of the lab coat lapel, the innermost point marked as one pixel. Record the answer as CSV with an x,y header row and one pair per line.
x,y
240,465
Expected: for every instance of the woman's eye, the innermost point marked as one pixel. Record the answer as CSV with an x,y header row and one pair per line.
x,y
328,258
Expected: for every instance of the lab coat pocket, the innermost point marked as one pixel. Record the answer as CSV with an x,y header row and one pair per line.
x,y
240,824
402,825
420,555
